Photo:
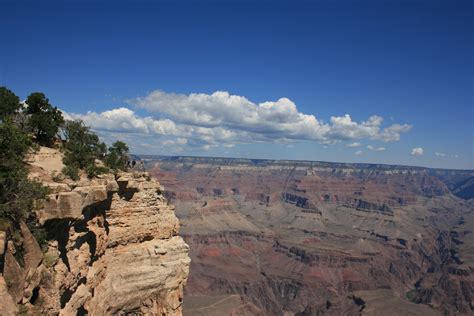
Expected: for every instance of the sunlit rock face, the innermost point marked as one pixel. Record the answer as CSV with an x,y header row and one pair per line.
x,y
131,258
113,248
303,238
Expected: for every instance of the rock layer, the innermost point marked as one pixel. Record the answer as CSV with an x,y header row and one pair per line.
x,y
314,238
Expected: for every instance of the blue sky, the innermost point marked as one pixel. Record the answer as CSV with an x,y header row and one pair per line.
x,y
147,73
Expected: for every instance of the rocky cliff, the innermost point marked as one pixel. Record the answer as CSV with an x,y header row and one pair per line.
x,y
112,247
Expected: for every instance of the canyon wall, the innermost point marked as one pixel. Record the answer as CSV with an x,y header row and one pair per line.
x,y
111,247
310,238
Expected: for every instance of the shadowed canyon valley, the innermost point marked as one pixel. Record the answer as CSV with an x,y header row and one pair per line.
x,y
309,238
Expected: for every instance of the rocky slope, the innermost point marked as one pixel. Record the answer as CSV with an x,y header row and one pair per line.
x,y
309,238
112,248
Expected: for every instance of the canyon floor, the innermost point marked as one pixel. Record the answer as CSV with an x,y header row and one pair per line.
x,y
310,238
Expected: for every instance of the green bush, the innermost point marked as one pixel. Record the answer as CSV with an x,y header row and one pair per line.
x,y
22,310
93,170
81,149
411,295
49,259
118,156
40,235
71,172
57,177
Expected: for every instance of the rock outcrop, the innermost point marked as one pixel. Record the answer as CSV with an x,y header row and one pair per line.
x,y
112,248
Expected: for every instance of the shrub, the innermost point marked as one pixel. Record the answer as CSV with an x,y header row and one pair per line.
x,y
57,177
93,170
71,172
22,310
40,235
82,148
49,259
118,156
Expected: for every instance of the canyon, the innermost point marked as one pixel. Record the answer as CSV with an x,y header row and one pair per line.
x,y
271,237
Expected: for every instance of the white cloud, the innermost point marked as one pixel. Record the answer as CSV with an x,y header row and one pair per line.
x,y
355,144
440,154
375,148
344,128
359,152
271,120
417,151
209,120
125,120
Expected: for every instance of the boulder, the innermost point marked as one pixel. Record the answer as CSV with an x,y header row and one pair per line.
x,y
56,187
95,194
33,254
32,281
61,205
109,182
14,276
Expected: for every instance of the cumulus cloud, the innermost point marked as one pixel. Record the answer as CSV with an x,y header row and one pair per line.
x,y
221,119
343,127
438,154
125,120
359,152
271,119
417,151
370,147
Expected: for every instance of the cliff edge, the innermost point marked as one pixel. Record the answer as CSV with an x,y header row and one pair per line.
x,y
112,247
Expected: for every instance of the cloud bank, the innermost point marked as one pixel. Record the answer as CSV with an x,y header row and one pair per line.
x,y
207,120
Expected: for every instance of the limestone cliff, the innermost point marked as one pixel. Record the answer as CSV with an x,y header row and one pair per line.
x,y
112,248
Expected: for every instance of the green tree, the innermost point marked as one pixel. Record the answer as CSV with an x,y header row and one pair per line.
x,y
44,120
82,148
17,193
118,156
9,103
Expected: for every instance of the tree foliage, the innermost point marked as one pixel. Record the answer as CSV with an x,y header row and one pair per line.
x,y
118,156
9,103
81,149
44,119
17,193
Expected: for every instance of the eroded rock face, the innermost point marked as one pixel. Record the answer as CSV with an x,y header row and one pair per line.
x,y
113,248
310,238
8,306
